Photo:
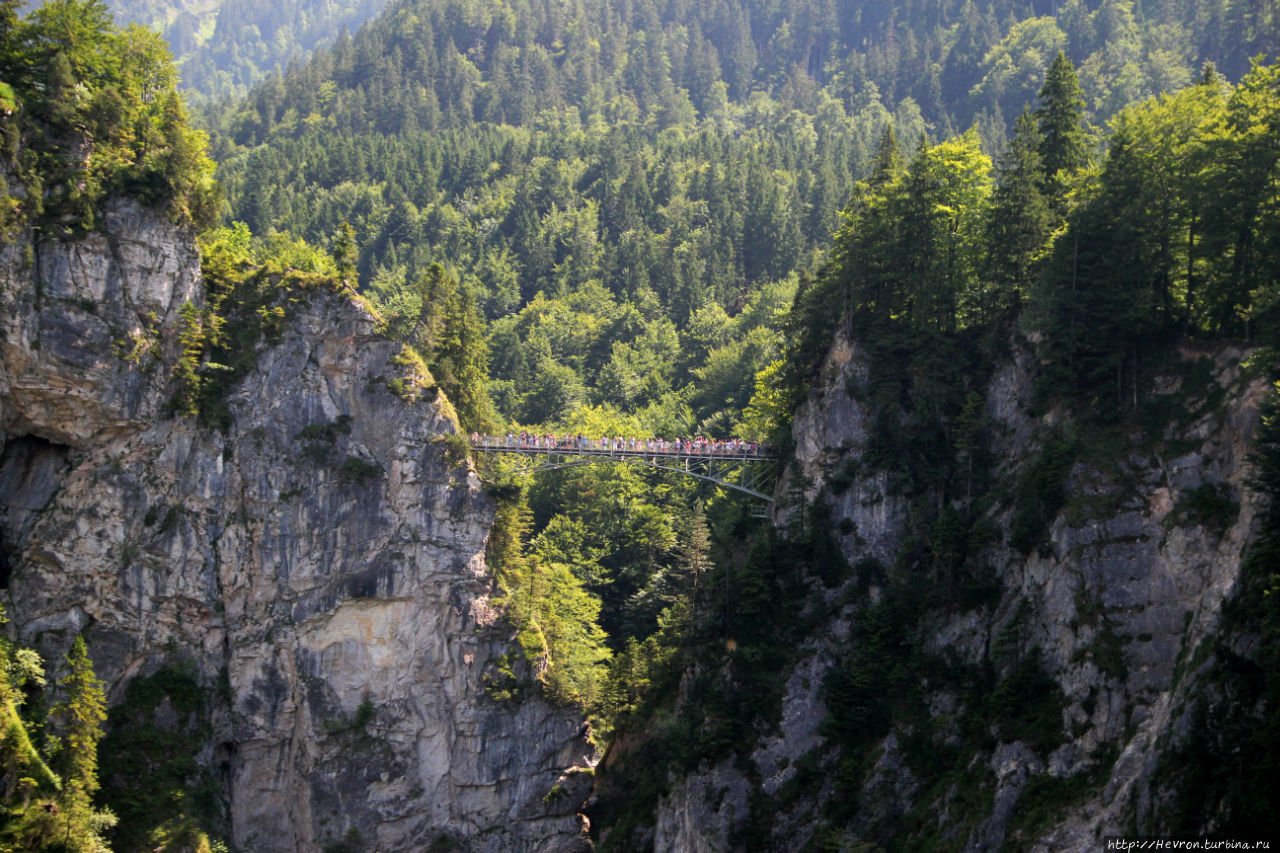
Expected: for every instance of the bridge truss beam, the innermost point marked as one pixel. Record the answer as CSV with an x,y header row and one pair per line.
x,y
751,474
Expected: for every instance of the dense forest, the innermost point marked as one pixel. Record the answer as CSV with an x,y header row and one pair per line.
x,y
641,174
1105,265
92,111
223,47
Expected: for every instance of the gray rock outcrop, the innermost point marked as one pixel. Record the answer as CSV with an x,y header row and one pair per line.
x,y
321,561
1123,599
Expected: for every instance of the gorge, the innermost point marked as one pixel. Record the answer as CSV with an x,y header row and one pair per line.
x,y
954,516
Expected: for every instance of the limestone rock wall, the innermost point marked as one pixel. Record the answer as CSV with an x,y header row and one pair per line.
x,y
1124,594
322,554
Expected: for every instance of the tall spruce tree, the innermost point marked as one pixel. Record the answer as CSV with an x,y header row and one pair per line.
x,y
1063,144
461,359
80,717
1019,223
12,56
888,159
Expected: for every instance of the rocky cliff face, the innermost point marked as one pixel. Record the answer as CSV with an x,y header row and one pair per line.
x,y
1122,598
320,561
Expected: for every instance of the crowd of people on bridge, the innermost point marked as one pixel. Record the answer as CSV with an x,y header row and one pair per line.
x,y
700,446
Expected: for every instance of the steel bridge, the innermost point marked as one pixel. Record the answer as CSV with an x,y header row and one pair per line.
x,y
751,473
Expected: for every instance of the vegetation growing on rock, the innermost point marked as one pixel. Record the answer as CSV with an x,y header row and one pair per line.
x,y
95,114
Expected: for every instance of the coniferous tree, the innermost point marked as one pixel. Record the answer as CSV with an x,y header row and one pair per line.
x,y
1063,143
435,291
695,548
888,159
12,55
80,717
346,254
461,360
60,95
1020,221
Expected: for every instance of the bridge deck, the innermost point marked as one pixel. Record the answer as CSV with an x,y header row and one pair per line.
x,y
604,454
741,470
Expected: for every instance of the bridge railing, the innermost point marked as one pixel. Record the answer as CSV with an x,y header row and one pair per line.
x,y
645,448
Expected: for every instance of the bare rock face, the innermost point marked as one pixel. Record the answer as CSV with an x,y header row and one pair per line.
x,y
702,811
1123,598
321,561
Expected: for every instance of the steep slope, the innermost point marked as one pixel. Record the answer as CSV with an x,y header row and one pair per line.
x,y
1017,595
318,566
1041,711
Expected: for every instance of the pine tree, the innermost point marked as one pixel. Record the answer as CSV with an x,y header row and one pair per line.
x,y
693,558
1063,143
80,718
888,160
346,253
1020,221
461,362
435,290
512,522
12,56
60,96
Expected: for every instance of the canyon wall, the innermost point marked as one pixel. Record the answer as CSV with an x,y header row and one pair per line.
x,y
319,563
1122,601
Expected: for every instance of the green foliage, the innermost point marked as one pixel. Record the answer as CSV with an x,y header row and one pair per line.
x,y
1063,146
26,775
43,810
78,720
911,245
724,651
1208,505
624,532
356,470
614,224
1027,705
1045,798
440,321
99,115
327,432
1040,494
225,47
456,447
249,288
555,617
857,693
1019,222
151,777
1172,235
191,344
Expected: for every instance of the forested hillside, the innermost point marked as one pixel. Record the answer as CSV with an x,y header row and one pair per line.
x,y
224,47
1117,271
676,219
638,174
91,111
